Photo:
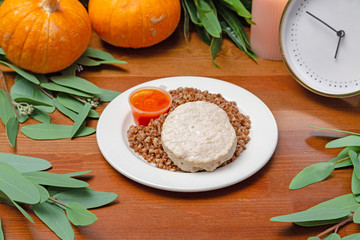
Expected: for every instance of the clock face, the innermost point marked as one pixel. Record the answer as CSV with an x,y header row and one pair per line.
x,y
320,44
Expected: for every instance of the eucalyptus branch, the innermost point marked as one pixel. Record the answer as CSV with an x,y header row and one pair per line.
x,y
336,227
7,91
94,102
20,175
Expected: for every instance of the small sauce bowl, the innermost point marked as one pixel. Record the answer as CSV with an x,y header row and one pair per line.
x,y
148,103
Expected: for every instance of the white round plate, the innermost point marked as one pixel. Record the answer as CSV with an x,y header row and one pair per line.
x,y
116,119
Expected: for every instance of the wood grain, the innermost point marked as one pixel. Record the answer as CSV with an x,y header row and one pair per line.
x,y
241,211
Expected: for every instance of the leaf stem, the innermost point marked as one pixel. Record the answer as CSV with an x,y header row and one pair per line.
x,y
341,160
57,201
45,92
7,92
336,227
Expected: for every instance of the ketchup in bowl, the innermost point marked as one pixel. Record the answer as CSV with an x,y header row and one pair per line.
x,y
148,103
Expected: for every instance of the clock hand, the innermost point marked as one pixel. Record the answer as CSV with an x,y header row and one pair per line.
x,y
340,34
322,22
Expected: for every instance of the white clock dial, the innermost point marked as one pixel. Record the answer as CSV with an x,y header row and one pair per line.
x,y
309,41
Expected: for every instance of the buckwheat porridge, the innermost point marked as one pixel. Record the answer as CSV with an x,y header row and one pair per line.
x,y
146,140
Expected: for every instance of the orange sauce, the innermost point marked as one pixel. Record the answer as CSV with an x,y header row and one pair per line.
x,y
149,103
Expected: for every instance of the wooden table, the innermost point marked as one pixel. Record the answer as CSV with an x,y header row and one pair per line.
x,y
241,211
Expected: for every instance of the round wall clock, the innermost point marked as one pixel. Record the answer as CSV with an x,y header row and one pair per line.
x,y
320,45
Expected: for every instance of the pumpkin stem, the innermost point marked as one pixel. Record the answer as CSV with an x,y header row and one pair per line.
x,y
49,6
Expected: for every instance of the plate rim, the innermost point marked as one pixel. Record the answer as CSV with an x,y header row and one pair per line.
x,y
146,166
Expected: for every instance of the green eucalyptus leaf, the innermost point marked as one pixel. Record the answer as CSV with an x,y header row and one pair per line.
x,y
1,231
312,174
344,142
332,236
42,77
80,119
107,95
1,50
204,35
6,200
12,129
320,223
345,202
40,96
59,88
239,40
208,18
215,47
314,238
53,179
16,186
23,163
78,215
76,174
192,11
355,236
22,87
115,61
22,118
238,7
336,130
186,21
97,54
55,218
86,61
354,157
44,194
70,71
53,131
41,116
23,212
232,25
356,217
77,83
313,215
28,76
74,105
234,33
87,197
46,109
64,110
6,109
355,184
30,100
345,151
357,197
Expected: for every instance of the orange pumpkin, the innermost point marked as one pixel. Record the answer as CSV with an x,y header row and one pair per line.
x,y
134,23
44,36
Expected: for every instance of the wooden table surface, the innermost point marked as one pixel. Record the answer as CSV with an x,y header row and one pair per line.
x,y
241,211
